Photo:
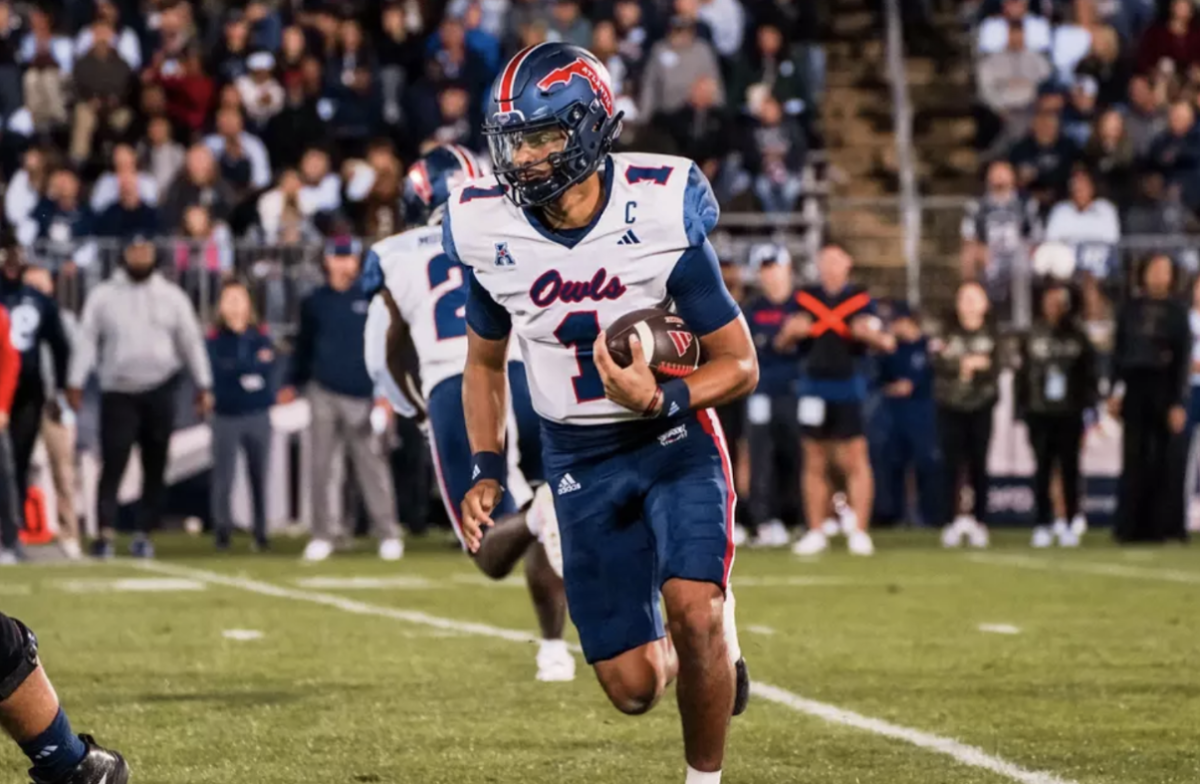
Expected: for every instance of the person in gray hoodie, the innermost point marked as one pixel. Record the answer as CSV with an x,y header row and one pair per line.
x,y
139,331
675,63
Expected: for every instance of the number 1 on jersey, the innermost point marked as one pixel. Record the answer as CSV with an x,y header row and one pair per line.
x,y
579,330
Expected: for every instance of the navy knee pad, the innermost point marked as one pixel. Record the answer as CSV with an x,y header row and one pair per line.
x,y
18,655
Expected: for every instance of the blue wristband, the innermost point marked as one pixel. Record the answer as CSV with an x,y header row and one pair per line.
x,y
677,398
488,465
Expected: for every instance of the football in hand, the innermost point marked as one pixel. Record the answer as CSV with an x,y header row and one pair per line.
x,y
671,349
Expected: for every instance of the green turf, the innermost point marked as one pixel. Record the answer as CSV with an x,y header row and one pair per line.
x,y
1101,685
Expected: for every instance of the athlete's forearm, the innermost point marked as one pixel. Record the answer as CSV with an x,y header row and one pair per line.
x,y
485,394
731,371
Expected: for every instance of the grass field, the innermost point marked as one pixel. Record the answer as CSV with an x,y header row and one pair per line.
x,y
872,669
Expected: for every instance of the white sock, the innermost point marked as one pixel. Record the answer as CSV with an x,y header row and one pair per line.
x,y
557,646
696,777
730,622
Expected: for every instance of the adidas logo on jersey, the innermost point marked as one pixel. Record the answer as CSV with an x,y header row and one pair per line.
x,y
568,485
629,239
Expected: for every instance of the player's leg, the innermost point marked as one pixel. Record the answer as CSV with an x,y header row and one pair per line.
x,y
690,504
24,424
31,715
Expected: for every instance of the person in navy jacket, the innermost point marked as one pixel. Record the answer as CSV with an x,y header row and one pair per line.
x,y
906,379
243,365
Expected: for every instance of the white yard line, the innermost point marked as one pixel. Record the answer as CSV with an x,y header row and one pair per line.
x,y
763,630
999,628
959,752
1089,567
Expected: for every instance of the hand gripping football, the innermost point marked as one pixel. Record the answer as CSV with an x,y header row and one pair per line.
x,y
671,349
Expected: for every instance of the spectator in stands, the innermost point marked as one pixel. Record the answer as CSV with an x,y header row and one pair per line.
x,y
373,189
10,69
49,59
1109,154
966,373
228,60
633,36
1157,210
701,129
328,361
452,123
266,26
1056,382
1152,362
1072,38
775,156
523,15
1044,159
568,24
124,164
605,47
58,436
1090,225
998,232
1008,83
727,21
163,155
241,157
187,90
60,216
772,429
286,208
138,369
123,39
25,190
130,216
1105,64
1176,152
36,327
320,185
102,87
292,55
11,514
243,363
198,183
1145,116
993,32
675,64
262,96
352,87
773,65
1172,45
1080,112
203,256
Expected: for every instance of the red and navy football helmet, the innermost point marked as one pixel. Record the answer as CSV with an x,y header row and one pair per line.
x,y
429,181
550,86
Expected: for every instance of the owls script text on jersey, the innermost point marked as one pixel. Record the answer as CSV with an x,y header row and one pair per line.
x,y
647,247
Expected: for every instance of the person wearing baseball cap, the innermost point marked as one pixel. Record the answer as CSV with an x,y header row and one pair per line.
x,y
348,416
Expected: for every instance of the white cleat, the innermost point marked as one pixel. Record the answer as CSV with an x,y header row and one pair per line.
x,y
847,521
70,549
978,536
1079,525
814,542
953,534
318,550
391,549
1043,537
554,662
831,527
547,523
859,543
8,558
739,535
1059,528
772,533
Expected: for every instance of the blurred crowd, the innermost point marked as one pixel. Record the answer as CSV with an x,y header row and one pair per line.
x,y
284,121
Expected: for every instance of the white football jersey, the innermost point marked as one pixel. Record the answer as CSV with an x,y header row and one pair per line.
x,y
427,286
646,248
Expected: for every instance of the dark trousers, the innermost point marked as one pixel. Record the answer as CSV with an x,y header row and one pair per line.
x,y
912,440
1056,440
774,446
965,436
26,423
1150,491
250,434
12,513
142,418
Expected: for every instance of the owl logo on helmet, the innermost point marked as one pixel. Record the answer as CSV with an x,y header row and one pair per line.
x,y
429,181
551,120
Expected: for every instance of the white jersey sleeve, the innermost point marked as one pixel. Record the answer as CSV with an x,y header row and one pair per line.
x,y
375,356
647,247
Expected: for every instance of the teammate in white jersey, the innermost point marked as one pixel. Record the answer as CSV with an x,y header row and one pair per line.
x,y
416,348
566,239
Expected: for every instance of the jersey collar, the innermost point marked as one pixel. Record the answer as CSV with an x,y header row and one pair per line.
x,y
576,236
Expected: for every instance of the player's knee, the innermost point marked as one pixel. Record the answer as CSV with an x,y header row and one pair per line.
x,y
696,618
18,655
633,683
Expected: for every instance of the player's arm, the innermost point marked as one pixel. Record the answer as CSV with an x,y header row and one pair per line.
x,y
866,327
730,370
389,356
485,405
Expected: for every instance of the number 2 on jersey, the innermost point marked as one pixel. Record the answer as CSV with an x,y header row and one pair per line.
x,y
579,331
449,312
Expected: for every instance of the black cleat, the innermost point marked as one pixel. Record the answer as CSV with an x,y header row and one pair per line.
x,y
100,766
742,697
